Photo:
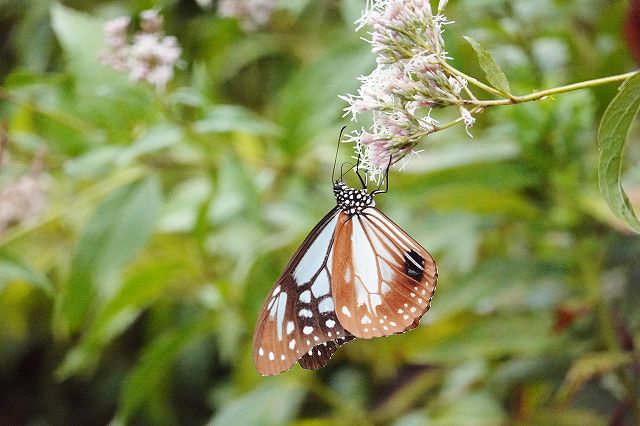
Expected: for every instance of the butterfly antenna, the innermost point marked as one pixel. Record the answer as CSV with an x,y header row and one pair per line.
x,y
342,171
335,160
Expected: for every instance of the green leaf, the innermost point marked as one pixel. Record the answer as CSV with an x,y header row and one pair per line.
x,y
492,70
230,118
589,366
159,137
120,227
154,367
96,162
475,409
140,290
612,137
565,417
308,105
464,337
13,270
270,404
80,36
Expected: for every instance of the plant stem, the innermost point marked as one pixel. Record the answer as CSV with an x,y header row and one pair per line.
x,y
549,92
472,80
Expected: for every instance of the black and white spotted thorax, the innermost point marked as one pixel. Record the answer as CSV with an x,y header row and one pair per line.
x,y
352,201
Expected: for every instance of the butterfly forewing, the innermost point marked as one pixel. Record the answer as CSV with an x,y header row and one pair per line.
x,y
298,318
383,280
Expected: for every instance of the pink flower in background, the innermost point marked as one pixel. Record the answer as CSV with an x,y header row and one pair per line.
x,y
151,56
116,39
24,198
252,14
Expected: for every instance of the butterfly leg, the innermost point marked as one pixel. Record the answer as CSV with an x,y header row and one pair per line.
x,y
386,179
364,185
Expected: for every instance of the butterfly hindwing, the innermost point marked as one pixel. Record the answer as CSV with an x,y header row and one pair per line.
x,y
383,280
320,355
298,320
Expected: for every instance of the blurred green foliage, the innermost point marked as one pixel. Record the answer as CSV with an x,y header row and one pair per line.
x,y
134,296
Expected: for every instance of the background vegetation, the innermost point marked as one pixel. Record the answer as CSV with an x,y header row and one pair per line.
x,y
132,297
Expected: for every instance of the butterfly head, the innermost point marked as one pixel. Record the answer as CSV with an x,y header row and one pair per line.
x,y
352,201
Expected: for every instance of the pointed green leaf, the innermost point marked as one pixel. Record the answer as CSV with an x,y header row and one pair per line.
x,y
13,269
80,36
138,291
492,70
273,403
231,118
154,367
612,137
120,227
589,366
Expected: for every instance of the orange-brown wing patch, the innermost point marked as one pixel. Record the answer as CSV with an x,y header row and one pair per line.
x,y
383,280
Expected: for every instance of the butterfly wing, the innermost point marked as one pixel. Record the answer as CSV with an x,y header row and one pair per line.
x,y
383,280
320,355
298,320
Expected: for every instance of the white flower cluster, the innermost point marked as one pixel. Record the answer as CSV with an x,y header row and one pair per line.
x,y
23,198
252,14
151,56
410,79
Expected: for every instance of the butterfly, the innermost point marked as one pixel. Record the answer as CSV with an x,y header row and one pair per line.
x,y
356,275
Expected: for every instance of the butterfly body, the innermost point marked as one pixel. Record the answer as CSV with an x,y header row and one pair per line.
x,y
357,274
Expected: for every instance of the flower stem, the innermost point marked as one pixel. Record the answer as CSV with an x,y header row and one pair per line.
x,y
471,80
549,92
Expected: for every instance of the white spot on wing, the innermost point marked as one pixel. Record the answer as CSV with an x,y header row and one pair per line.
x,y
271,356
365,320
270,304
305,313
386,271
290,327
376,300
307,330
321,286
305,296
330,323
261,351
345,311
313,259
292,344
347,274
282,305
326,305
